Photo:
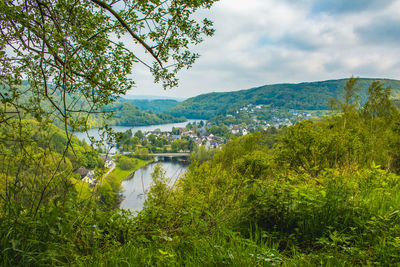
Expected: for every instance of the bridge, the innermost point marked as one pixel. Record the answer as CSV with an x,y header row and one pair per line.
x,y
170,155
165,155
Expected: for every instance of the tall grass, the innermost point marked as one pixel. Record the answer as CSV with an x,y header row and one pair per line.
x,y
338,219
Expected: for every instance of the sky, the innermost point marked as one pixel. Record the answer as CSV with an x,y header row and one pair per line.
x,y
259,42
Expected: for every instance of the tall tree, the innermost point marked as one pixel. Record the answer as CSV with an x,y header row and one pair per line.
x,y
76,55
379,103
63,60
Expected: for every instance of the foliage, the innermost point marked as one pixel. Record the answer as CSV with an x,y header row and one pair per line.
x,y
201,155
126,114
126,163
306,195
121,174
222,131
303,96
142,153
319,193
73,52
156,105
62,62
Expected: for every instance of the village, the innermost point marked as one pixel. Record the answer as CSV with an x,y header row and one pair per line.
x,y
265,116
207,134
211,134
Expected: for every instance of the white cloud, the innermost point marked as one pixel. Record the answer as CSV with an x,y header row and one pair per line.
x,y
261,42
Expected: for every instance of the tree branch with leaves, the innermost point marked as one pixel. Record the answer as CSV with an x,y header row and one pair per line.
x,y
77,55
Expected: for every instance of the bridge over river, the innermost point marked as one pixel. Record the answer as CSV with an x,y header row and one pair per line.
x,y
166,155
170,155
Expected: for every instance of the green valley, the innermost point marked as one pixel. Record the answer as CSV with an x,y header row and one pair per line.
x,y
302,96
286,174
323,191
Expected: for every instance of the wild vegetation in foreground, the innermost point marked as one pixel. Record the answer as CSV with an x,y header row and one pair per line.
x,y
325,193
321,192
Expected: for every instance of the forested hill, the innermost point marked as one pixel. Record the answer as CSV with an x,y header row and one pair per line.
x,y
126,114
155,105
302,96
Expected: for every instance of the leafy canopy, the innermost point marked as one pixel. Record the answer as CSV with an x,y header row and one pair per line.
x,y
76,55
61,61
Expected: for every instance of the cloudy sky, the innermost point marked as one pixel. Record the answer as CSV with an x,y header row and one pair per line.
x,y
260,42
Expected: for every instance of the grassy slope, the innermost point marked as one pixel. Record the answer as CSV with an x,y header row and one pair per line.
x,y
343,219
123,174
84,191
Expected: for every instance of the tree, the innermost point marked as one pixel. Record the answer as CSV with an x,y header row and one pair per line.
x,y
351,97
192,146
139,135
379,103
142,153
152,138
349,101
189,126
179,145
61,61
126,163
76,55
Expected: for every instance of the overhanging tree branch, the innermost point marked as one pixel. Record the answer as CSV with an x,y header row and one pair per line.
x,y
126,26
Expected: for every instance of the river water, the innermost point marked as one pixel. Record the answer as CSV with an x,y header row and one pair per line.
x,y
136,188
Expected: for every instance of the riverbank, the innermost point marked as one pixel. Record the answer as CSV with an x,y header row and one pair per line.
x,y
121,174
136,188
110,188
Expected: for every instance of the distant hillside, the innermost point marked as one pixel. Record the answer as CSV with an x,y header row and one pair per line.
x,y
302,96
156,105
151,97
126,114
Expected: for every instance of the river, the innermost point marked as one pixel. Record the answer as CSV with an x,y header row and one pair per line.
x,y
135,189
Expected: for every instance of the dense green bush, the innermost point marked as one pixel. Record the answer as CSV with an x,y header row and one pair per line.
x,y
317,196
126,163
320,193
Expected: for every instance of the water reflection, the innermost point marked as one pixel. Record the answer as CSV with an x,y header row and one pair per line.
x,y
136,188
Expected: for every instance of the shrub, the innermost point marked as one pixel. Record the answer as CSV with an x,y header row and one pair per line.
x,y
126,163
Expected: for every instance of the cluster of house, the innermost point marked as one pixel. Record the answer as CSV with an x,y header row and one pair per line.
x,y
250,108
213,141
294,116
239,130
199,135
277,120
88,176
